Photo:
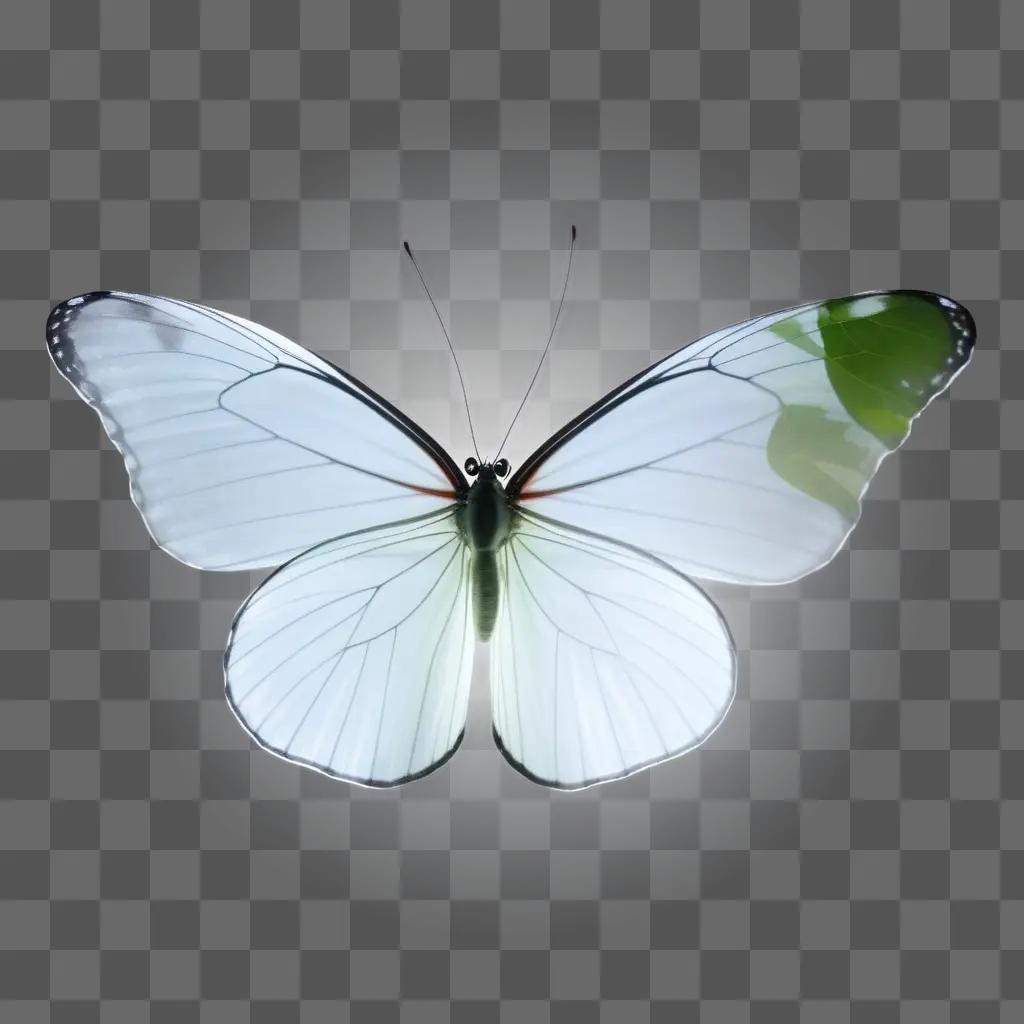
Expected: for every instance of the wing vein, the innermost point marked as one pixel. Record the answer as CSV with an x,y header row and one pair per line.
x,y
384,699
376,587
607,710
430,667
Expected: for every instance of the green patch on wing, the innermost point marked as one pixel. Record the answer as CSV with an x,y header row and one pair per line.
x,y
887,355
816,455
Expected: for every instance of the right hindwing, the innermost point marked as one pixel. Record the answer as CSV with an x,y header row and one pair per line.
x,y
603,661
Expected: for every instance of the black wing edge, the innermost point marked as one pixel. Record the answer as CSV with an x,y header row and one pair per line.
x,y
958,314
61,318
337,776
614,777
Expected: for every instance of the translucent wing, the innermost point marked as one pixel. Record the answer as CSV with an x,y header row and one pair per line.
x,y
744,457
355,658
603,660
243,449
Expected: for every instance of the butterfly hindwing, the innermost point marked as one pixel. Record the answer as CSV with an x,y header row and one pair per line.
x,y
603,660
355,657
744,456
242,448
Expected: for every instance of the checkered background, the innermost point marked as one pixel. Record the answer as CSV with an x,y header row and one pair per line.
x,y
849,846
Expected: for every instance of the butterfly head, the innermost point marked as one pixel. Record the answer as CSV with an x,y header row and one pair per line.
x,y
487,470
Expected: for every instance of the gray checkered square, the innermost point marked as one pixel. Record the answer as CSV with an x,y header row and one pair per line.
x,y
849,846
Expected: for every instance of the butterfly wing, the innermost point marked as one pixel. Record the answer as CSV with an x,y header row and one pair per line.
x,y
603,660
242,448
743,457
355,657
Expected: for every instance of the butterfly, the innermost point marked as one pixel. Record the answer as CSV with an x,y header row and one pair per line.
x,y
741,458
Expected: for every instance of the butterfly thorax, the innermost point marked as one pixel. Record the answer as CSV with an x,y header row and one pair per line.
x,y
485,521
484,517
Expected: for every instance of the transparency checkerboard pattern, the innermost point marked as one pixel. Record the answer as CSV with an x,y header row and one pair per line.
x,y
849,846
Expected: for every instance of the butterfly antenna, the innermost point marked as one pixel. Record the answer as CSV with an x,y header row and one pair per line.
x,y
543,355
444,330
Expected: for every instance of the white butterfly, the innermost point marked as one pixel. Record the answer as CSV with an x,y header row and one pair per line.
x,y
740,458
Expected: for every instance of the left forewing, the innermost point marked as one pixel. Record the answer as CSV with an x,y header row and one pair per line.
x,y
242,448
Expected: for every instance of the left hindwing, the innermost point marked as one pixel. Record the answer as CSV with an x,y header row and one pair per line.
x,y
603,660
355,657
744,457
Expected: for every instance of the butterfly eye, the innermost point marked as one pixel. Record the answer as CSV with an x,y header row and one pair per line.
x,y
472,466
501,467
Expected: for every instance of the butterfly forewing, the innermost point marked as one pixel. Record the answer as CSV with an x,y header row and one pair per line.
x,y
243,449
744,457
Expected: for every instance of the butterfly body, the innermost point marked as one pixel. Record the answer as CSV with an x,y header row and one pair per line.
x,y
485,521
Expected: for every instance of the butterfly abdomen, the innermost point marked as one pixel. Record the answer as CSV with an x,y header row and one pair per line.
x,y
486,592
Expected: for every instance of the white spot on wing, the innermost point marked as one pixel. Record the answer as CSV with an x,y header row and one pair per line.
x,y
868,305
